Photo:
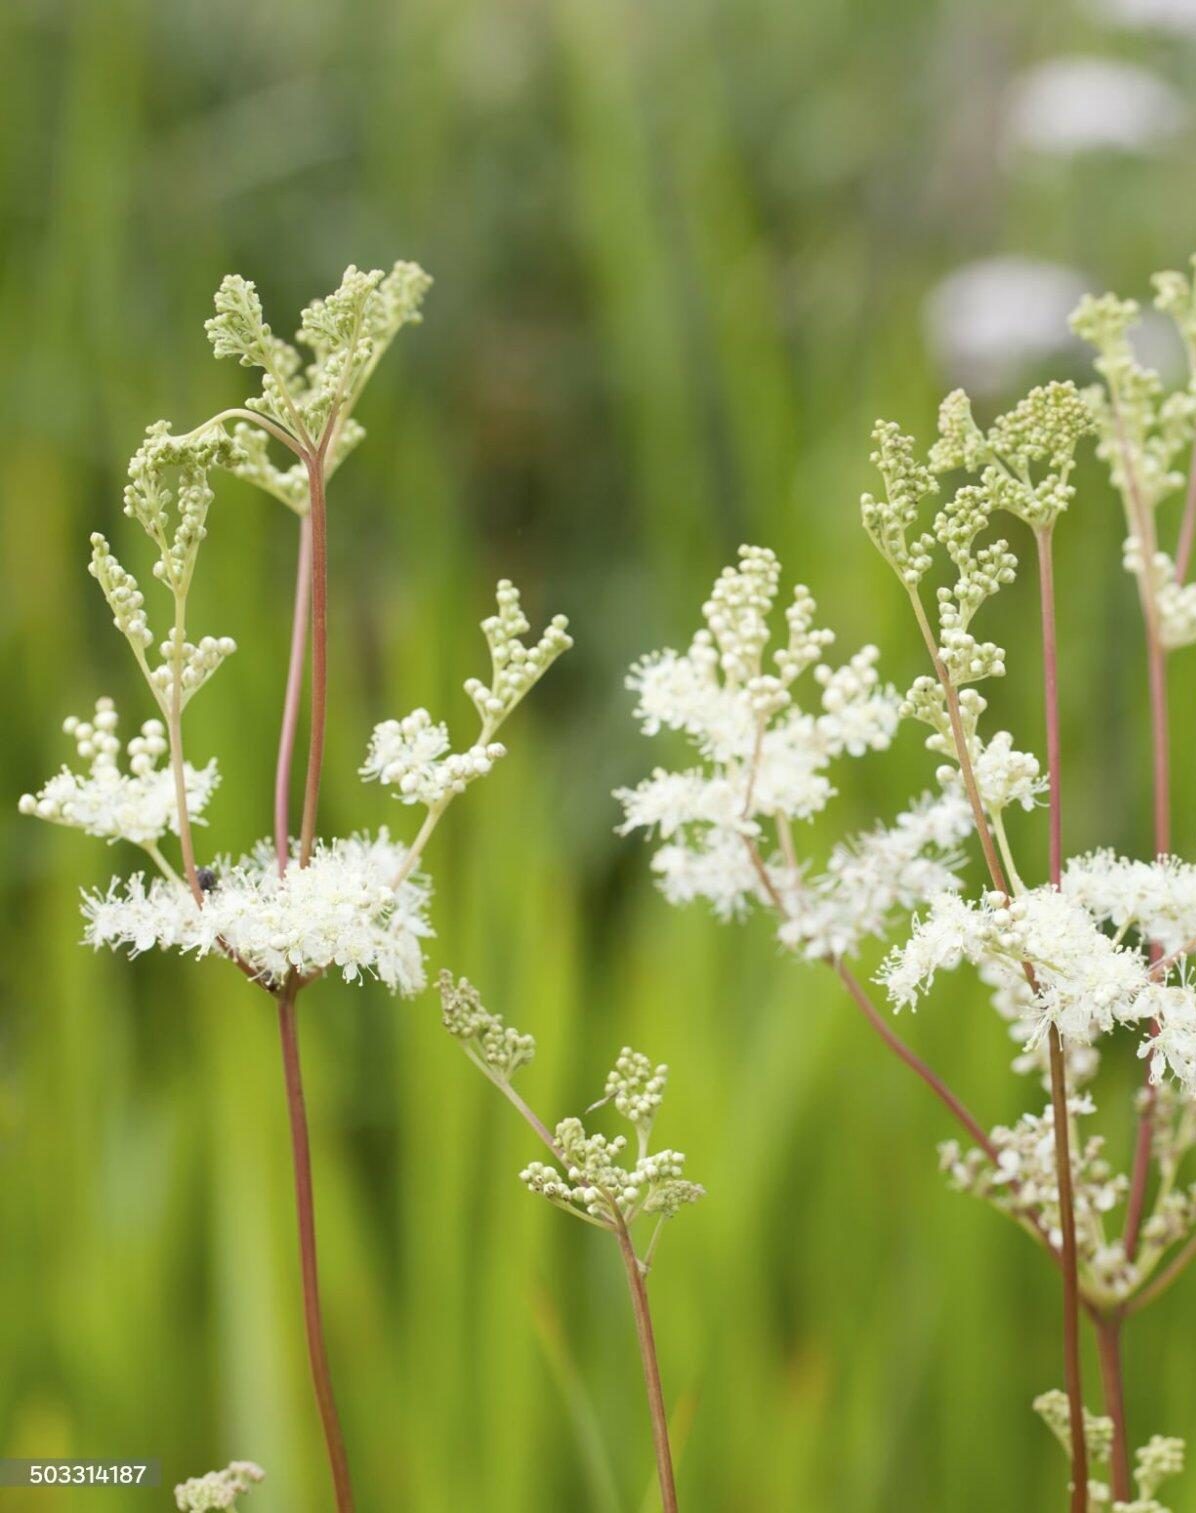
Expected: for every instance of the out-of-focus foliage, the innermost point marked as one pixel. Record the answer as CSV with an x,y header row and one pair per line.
x,y
681,252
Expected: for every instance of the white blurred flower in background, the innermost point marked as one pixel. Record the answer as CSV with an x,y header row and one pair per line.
x,y
989,320
1175,18
1078,104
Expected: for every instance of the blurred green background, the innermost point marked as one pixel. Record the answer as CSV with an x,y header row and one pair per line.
x,y
682,249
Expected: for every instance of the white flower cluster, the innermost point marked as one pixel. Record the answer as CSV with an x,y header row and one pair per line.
x,y
218,1490
1013,999
1085,982
1026,1179
139,805
872,877
414,756
1157,899
1004,776
762,758
593,1183
341,911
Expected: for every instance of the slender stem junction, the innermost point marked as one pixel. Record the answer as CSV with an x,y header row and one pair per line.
x,y
647,1343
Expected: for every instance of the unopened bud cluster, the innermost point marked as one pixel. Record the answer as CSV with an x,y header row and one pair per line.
x,y
516,668
497,1046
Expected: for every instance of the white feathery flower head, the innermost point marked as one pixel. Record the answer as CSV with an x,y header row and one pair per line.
x,y
763,758
989,320
683,692
1172,1047
139,805
1077,104
1004,776
667,801
1086,982
341,911
715,866
413,756
1156,898
217,1490
1013,1000
871,877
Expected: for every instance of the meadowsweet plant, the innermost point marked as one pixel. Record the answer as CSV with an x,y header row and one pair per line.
x,y
295,906
608,1183
1073,961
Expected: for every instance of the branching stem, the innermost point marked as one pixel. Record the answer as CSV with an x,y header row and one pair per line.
x,y
319,653
294,693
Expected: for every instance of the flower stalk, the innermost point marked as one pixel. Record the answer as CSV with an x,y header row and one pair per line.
x,y
317,1350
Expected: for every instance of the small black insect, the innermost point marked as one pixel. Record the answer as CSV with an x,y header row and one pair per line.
x,y
207,879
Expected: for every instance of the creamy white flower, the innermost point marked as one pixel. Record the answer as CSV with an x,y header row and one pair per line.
x,y
683,692
342,911
860,715
1171,1045
764,759
1085,982
988,320
714,865
1077,104
414,756
871,876
139,805
668,801
1156,898
1013,1000
1004,776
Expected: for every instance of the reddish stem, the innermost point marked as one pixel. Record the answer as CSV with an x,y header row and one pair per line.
x,y
1067,1218
1187,530
319,652
647,1344
1050,666
1108,1345
290,708
933,1081
1071,1290
305,1207
1067,1221
1161,760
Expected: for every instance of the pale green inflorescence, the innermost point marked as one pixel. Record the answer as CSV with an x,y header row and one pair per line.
x,y
1156,1462
589,1177
497,1047
1022,466
218,1491
360,906
414,755
1144,434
